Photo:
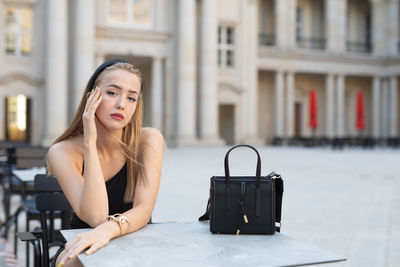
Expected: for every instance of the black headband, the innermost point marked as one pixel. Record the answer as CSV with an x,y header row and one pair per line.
x,y
100,69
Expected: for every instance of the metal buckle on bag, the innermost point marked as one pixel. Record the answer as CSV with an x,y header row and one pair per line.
x,y
279,223
274,175
271,175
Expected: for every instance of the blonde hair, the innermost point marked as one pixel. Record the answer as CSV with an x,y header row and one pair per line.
x,y
130,142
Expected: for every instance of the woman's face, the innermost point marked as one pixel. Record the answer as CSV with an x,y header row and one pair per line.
x,y
120,90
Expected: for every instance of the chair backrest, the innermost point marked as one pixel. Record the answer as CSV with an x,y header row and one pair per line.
x,y
31,152
29,157
50,198
45,183
11,156
49,195
28,163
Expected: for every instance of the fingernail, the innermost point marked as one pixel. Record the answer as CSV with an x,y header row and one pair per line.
x,y
101,97
92,90
88,252
60,264
70,256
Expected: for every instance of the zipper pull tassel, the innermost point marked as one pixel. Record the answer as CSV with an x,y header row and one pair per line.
x,y
244,212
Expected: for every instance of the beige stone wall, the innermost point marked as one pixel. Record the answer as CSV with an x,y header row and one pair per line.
x,y
266,85
25,75
253,99
228,10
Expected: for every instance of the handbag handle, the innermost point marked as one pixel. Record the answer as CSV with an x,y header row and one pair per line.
x,y
226,163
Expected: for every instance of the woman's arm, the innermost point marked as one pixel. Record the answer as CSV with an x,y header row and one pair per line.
x,y
146,193
66,162
144,201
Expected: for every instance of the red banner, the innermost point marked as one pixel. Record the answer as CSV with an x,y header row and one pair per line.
x,y
313,109
360,111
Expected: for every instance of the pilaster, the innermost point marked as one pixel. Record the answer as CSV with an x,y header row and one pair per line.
x,y
376,107
157,92
56,70
340,80
393,107
185,132
83,54
208,75
336,11
279,104
329,86
290,105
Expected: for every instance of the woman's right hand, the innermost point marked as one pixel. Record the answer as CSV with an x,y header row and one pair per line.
x,y
88,117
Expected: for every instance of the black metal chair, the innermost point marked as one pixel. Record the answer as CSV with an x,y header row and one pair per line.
x,y
23,157
49,200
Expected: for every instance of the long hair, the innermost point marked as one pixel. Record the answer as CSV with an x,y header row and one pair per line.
x,y
130,142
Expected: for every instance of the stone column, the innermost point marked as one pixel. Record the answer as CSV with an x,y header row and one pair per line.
x,y
376,107
340,106
279,104
208,74
393,107
385,108
186,74
290,91
329,86
378,26
335,12
252,75
157,79
83,55
56,70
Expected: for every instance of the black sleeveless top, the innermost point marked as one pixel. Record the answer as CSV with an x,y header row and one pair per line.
x,y
116,187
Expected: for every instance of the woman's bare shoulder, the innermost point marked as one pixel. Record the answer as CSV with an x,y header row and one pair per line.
x,y
152,135
70,148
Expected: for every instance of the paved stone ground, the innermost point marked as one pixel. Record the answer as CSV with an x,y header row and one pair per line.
x,y
344,201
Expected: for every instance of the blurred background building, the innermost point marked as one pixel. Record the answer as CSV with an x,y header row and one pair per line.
x,y
216,71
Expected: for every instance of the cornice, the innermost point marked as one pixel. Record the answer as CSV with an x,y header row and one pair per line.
x,y
19,76
324,56
131,34
230,86
20,2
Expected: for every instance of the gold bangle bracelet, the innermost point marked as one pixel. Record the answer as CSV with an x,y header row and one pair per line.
x,y
120,219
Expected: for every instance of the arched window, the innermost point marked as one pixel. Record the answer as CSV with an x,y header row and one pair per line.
x,y
359,26
18,31
131,13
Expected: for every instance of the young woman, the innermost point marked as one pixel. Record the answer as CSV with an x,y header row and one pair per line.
x,y
108,166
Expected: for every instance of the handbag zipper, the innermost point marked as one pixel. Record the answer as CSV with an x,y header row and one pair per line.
x,y
242,196
244,212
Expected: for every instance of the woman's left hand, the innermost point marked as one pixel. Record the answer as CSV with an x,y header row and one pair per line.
x,y
92,239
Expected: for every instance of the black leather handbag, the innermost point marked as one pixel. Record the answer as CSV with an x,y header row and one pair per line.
x,y
244,204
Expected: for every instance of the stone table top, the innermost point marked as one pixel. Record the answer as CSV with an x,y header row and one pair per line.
x,y
192,244
28,174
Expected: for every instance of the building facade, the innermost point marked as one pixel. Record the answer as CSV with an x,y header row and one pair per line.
x,y
216,71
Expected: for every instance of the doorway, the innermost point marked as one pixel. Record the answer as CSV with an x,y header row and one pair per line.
x,y
297,120
226,123
18,118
